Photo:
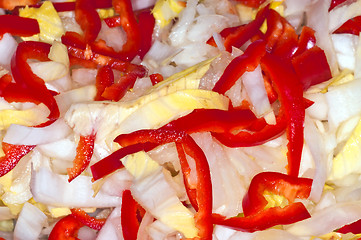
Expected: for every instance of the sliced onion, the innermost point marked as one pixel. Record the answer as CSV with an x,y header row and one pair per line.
x,y
340,15
29,223
55,190
49,70
5,214
22,135
345,47
84,76
8,47
112,228
328,219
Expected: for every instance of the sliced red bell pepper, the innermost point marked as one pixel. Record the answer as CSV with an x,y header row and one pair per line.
x,y
66,229
18,26
129,220
335,3
26,79
202,189
224,34
312,67
87,220
307,40
156,78
88,19
252,3
354,228
127,21
13,154
112,162
146,23
245,32
248,61
84,152
104,79
290,93
277,183
265,219
352,26
117,90
11,4
213,120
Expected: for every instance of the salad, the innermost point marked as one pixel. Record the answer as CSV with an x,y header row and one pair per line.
x,y
180,119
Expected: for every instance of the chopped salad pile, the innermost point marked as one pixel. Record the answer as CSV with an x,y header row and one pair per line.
x,y
180,119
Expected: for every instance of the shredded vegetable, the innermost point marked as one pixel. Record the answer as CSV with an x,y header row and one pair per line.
x,y
180,119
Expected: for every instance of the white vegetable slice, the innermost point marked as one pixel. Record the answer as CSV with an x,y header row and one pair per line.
x,y
340,15
55,190
29,223
8,47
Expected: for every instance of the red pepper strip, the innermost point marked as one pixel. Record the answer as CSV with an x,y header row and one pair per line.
x,y
354,228
116,91
94,60
213,120
186,145
5,80
352,26
104,79
252,3
88,19
276,183
11,4
87,220
258,137
26,79
112,162
224,34
66,229
156,78
290,94
13,154
129,220
266,218
335,3
248,61
306,40
312,67
19,26
127,21
281,37
84,152
146,23
246,32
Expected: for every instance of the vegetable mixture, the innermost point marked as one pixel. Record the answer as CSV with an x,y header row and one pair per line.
x,y
180,119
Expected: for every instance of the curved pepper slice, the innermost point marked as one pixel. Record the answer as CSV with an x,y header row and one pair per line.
x,y
248,61
88,19
354,228
84,152
87,220
13,154
352,26
276,183
104,79
290,94
26,79
66,229
18,26
129,219
201,196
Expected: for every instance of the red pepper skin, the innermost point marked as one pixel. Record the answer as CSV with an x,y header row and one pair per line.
x,y
224,34
104,79
335,3
129,220
312,67
112,162
146,23
13,154
11,4
18,26
248,61
265,219
246,32
201,196
156,78
252,3
352,26
26,79
290,94
87,220
84,152
88,19
116,91
213,120
307,40
354,228
276,183
66,229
